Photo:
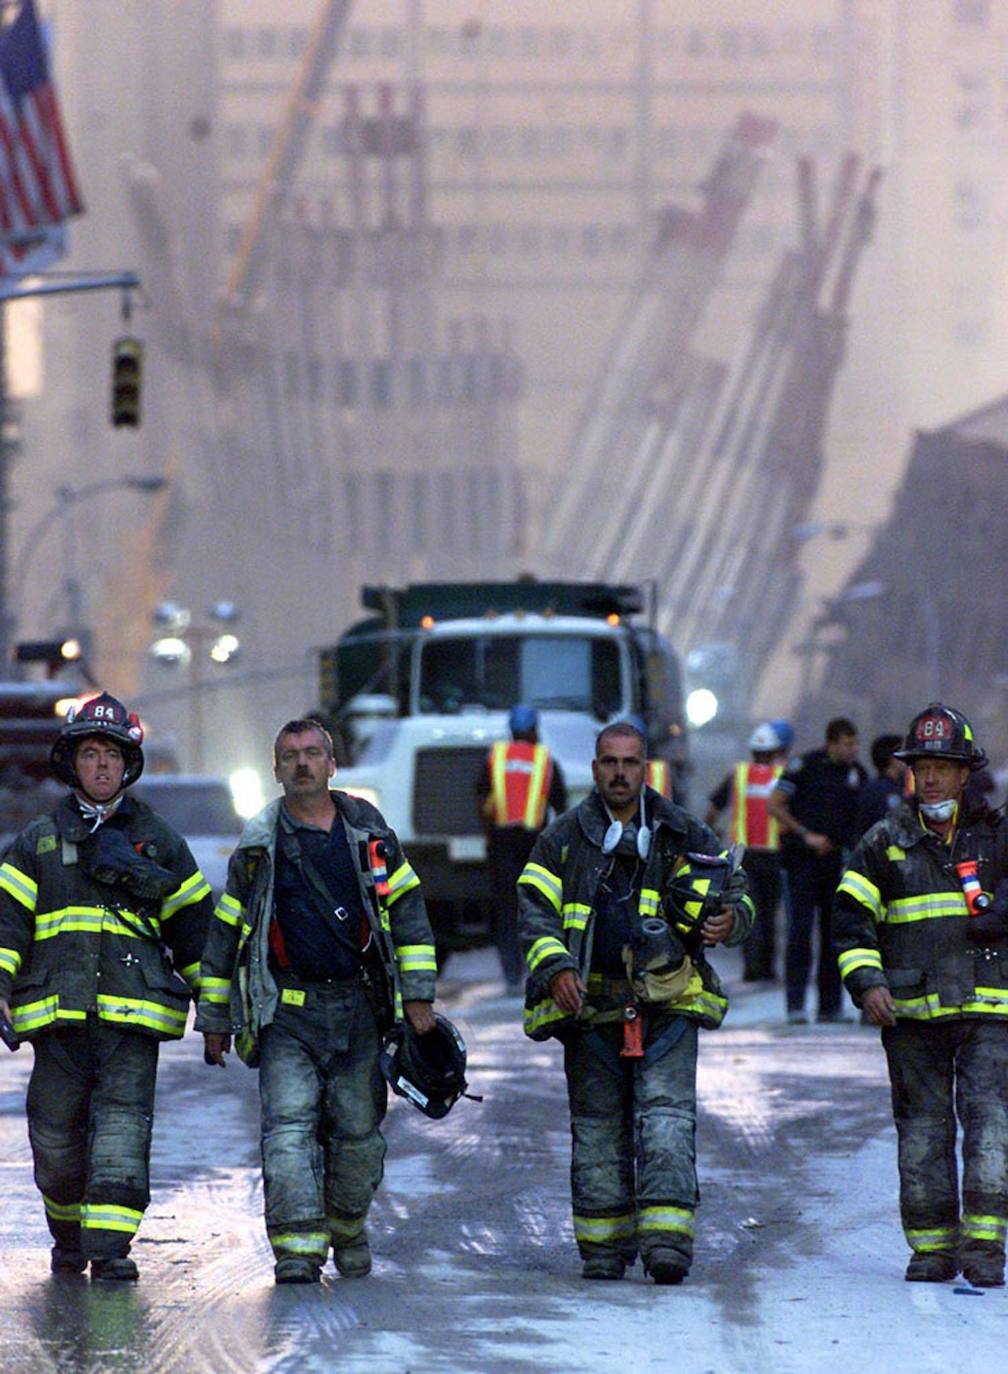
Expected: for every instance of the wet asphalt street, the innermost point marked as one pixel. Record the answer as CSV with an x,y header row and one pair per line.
x,y
799,1254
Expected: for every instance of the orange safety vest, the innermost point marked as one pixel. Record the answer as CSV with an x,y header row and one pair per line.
x,y
520,778
659,776
752,823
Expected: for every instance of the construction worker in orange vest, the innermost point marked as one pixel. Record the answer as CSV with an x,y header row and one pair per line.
x,y
747,791
520,788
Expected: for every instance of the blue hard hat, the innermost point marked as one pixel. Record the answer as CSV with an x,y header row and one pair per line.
x,y
784,731
522,719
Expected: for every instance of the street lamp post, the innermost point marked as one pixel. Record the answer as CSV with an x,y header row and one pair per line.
x,y
67,498
190,645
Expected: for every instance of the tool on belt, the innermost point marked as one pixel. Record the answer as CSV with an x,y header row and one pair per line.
x,y
633,1032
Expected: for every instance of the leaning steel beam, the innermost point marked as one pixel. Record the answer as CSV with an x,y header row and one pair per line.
x,y
287,151
654,334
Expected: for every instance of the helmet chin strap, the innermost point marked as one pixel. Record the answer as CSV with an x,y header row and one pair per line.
x,y
96,811
614,833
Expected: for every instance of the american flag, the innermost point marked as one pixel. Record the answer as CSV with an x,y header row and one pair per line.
x,y
37,187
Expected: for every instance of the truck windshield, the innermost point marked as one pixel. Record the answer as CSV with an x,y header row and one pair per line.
x,y
495,672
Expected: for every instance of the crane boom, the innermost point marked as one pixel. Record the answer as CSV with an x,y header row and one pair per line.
x,y
288,149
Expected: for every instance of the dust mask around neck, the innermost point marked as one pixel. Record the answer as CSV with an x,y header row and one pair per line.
x,y
614,833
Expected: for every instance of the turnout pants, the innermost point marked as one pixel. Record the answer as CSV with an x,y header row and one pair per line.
x,y
941,1071
323,1099
633,1157
90,1111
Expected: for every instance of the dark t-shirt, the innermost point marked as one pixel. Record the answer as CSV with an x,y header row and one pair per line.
x,y
317,946
822,796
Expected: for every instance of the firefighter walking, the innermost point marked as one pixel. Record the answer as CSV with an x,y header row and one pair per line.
x,y
320,941
520,785
614,920
103,913
923,956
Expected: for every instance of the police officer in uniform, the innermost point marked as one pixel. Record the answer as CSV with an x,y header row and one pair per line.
x,y
103,913
934,976
319,941
815,805
520,786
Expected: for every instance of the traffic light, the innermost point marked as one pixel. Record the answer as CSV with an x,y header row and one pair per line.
x,y
127,379
54,653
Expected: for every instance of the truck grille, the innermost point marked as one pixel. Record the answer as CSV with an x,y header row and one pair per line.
x,y
444,791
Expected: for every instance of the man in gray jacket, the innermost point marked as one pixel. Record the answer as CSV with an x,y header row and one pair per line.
x,y
319,942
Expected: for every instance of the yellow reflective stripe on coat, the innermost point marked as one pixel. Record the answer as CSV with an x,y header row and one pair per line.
x,y
852,959
863,890
973,1227
546,947
895,853
598,1230
216,990
932,906
94,920
22,888
649,903
191,973
551,887
575,915
107,1216
403,880
922,1240
984,1002
37,1014
229,910
416,958
61,1211
10,961
665,1219
314,1244
138,1011
194,889
542,1014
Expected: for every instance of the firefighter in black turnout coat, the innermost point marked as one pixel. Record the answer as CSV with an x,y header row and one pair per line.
x,y
924,951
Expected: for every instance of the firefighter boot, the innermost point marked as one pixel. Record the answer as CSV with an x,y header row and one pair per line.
x,y
984,1270
296,1269
931,1266
119,1269
667,1266
354,1259
65,1261
604,1265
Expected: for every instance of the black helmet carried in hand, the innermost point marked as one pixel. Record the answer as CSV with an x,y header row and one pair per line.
x,y
107,717
428,1070
699,888
941,732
